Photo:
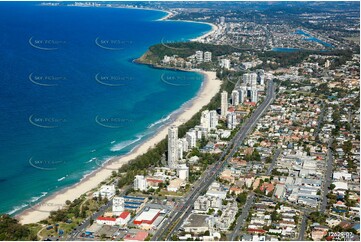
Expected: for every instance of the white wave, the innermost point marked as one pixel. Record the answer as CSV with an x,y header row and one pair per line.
x,y
160,121
91,160
126,143
60,179
17,208
112,142
24,205
93,151
34,199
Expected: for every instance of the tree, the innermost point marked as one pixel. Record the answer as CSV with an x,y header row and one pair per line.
x,y
275,216
174,237
317,217
347,147
10,229
255,155
210,211
242,198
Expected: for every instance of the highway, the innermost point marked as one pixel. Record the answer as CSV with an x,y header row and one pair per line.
x,y
181,212
242,217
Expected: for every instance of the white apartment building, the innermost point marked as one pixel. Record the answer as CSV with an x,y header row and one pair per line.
x,y
207,56
254,95
140,183
235,97
172,146
118,205
191,139
231,121
224,104
225,63
199,56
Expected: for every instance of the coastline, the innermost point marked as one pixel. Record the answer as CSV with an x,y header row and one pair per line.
x,y
213,30
209,88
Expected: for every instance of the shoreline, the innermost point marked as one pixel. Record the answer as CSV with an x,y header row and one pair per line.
x,y
209,88
212,31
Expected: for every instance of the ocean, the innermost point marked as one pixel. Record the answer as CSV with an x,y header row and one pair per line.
x,y
71,95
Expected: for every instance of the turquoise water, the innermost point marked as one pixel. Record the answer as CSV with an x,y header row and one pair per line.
x,y
312,38
308,38
285,49
72,98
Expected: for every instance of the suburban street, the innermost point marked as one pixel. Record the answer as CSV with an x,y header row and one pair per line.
x,y
302,228
178,216
277,153
241,219
328,175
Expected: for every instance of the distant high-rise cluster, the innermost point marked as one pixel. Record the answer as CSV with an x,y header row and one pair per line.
x,y
247,89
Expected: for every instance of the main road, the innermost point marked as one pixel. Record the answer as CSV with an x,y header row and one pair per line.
x,y
182,210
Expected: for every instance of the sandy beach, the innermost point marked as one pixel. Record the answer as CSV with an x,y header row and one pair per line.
x,y
210,87
214,29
